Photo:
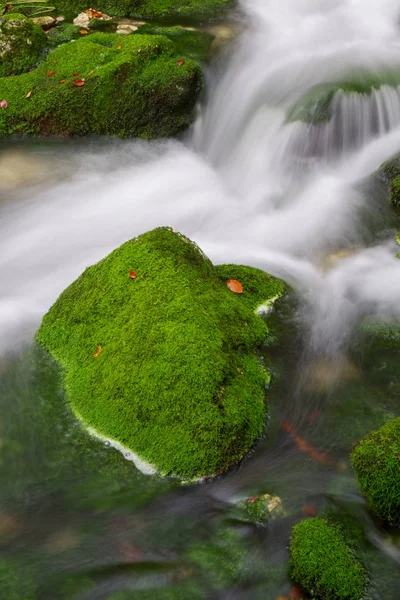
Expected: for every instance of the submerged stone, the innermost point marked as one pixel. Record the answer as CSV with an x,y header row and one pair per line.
x,y
323,563
376,460
161,357
22,44
104,84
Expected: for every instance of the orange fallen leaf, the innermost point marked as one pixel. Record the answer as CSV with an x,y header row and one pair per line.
x,y
309,510
83,31
55,62
98,350
119,47
235,286
180,63
94,14
305,447
132,274
50,73
79,82
29,94
252,499
63,80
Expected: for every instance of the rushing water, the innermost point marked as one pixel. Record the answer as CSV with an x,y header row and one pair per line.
x,y
251,187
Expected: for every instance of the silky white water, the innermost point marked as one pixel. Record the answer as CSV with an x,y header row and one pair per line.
x,y
244,184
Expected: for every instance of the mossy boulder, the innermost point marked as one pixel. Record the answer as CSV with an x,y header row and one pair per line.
x,y
150,9
177,380
187,42
104,84
323,563
376,460
22,44
388,176
315,106
62,34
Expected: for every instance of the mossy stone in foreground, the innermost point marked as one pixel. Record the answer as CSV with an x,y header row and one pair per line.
x,y
322,562
177,380
376,460
132,86
21,44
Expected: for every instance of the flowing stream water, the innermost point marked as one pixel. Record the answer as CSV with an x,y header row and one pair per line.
x,y
248,186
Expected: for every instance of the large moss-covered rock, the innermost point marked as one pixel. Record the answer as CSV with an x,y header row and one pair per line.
x,y
22,44
376,460
323,563
150,9
104,84
177,380
187,42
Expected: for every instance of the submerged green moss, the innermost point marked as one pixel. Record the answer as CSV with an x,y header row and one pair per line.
x,y
177,380
187,42
151,9
133,86
22,44
322,562
315,106
376,460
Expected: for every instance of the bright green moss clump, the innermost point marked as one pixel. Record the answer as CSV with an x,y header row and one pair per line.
x,y
133,86
177,380
376,460
22,44
193,44
322,562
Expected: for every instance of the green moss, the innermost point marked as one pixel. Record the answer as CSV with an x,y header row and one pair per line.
x,y
22,44
322,562
190,43
177,380
376,460
255,510
63,33
133,87
151,9
315,107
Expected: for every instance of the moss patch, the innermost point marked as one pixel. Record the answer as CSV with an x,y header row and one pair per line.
x,y
193,44
376,460
315,107
22,44
151,9
177,380
322,562
133,86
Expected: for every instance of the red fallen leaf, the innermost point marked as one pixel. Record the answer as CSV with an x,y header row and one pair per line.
x,y
63,80
305,447
79,82
132,274
29,94
252,499
94,14
50,73
180,63
295,593
3,104
98,350
309,510
75,75
83,32
235,286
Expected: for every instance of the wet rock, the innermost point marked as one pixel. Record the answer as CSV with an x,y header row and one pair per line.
x,y
18,169
44,22
322,375
126,28
22,44
84,18
260,509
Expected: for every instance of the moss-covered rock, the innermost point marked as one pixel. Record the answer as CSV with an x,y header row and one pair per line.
x,y
63,33
177,380
376,460
388,176
104,84
150,9
22,44
323,563
315,106
187,42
